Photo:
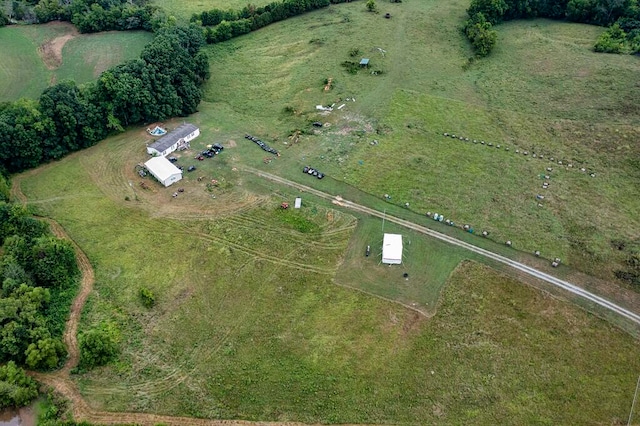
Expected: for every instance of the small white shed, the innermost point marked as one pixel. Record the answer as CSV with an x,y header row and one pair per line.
x,y
298,203
163,170
392,249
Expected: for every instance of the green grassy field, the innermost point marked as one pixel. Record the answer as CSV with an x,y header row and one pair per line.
x,y
576,106
266,314
249,324
24,74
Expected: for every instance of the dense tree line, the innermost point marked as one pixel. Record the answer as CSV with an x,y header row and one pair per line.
x,y
86,15
225,24
163,82
35,268
37,271
623,17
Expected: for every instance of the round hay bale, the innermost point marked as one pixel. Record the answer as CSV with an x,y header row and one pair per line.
x,y
498,146
537,253
554,264
445,134
485,233
508,243
428,214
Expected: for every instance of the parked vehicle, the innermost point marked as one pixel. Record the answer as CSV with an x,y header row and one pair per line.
x,y
313,172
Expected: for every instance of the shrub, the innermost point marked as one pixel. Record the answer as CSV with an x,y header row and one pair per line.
x,y
16,388
147,297
612,40
98,346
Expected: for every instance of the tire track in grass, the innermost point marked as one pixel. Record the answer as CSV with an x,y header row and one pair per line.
x,y
60,381
626,314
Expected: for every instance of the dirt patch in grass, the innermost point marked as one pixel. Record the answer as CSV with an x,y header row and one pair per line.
x,y
51,50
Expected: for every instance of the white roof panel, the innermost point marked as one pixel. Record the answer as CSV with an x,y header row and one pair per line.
x,y
392,249
161,168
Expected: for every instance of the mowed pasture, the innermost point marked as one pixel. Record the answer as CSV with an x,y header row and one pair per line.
x,y
254,318
250,324
543,91
37,56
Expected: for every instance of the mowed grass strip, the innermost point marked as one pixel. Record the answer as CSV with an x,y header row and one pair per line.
x,y
22,72
184,10
250,325
428,264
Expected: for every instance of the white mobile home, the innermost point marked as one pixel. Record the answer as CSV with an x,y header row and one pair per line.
x,y
178,138
163,170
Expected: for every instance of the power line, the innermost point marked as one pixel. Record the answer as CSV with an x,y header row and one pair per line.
x,y
633,405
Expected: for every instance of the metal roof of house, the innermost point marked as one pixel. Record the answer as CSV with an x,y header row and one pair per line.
x,y
364,61
172,137
161,168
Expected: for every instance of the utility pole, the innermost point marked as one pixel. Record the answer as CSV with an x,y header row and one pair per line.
x,y
633,404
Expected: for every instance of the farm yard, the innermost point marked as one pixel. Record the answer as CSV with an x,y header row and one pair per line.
x,y
272,314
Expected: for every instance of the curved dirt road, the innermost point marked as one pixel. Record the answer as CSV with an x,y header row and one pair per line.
x,y
565,285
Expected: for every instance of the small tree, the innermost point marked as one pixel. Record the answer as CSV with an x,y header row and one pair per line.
x,y
45,355
371,5
97,347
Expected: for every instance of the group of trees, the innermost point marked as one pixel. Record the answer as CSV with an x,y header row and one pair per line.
x,y
163,82
35,268
622,15
87,15
34,264
225,24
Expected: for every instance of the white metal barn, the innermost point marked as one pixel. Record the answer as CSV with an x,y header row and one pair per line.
x,y
392,249
163,170
178,138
